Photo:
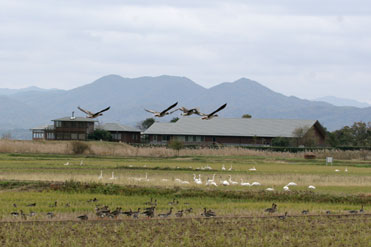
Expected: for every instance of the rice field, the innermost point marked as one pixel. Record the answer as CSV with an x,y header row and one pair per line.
x,y
70,185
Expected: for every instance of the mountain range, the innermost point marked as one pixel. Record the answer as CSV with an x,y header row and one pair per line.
x,y
25,109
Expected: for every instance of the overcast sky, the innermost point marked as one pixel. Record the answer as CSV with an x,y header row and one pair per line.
x,y
306,48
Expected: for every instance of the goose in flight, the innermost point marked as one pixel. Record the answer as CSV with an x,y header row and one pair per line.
x,y
189,112
212,115
91,114
164,112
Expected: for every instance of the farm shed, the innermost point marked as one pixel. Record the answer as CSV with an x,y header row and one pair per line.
x,y
232,131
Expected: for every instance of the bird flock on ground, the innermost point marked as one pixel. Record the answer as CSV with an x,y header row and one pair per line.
x,y
148,211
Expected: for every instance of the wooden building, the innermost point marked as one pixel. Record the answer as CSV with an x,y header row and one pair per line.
x,y
232,131
121,132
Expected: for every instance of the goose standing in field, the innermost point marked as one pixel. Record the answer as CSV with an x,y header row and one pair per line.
x,y
83,217
312,187
179,214
92,114
271,209
305,211
113,176
165,215
101,175
282,217
208,213
135,214
244,184
231,181
213,114
162,113
252,169
361,210
31,204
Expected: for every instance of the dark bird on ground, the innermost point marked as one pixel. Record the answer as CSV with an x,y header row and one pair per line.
x,y
188,210
162,113
115,213
93,115
32,213
272,209
136,214
93,200
282,217
14,205
174,202
15,214
150,212
67,205
179,214
83,217
23,215
328,212
53,205
305,211
166,214
128,213
50,214
208,213
31,205
353,211
361,210
212,115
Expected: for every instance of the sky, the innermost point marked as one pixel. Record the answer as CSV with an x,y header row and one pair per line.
x,y
305,48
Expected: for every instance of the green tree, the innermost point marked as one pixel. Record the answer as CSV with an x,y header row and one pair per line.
x,y
174,119
100,134
145,124
280,142
176,145
246,116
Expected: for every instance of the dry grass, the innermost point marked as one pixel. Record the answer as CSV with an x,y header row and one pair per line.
x,y
121,149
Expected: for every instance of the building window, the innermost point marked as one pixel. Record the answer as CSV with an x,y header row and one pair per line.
x,y
58,124
82,136
116,136
50,136
186,138
214,139
74,136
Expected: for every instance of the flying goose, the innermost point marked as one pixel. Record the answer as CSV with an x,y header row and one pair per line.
x,y
189,112
162,113
212,115
91,114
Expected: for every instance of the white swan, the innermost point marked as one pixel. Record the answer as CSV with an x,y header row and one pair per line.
x,y
291,184
311,187
269,189
67,164
225,183
346,169
113,176
101,175
337,170
230,168
232,182
223,168
286,188
252,169
255,184
244,184
81,163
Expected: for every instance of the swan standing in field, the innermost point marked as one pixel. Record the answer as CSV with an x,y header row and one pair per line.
x,y
286,188
252,169
291,184
225,183
269,189
230,168
311,187
113,176
81,163
231,181
255,184
145,178
346,169
223,168
67,164
211,182
244,184
101,175
337,170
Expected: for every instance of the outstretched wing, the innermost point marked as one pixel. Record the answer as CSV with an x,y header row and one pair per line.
x,y
102,110
85,111
177,109
197,111
219,109
172,106
154,112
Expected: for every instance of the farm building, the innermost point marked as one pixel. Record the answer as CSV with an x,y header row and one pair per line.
x,y
232,131
121,132
67,128
78,128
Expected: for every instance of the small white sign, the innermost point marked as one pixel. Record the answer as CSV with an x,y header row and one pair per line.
x,y
329,160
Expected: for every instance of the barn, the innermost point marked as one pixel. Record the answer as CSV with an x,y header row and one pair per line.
x,y
233,131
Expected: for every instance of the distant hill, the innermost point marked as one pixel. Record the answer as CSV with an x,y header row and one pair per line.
x,y
342,102
129,96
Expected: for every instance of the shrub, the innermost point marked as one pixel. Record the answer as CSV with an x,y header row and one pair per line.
x,y
176,145
79,147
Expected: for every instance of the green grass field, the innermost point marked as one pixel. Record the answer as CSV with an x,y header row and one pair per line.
x,y
45,179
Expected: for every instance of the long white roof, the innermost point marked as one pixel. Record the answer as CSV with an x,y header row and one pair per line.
x,y
230,127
